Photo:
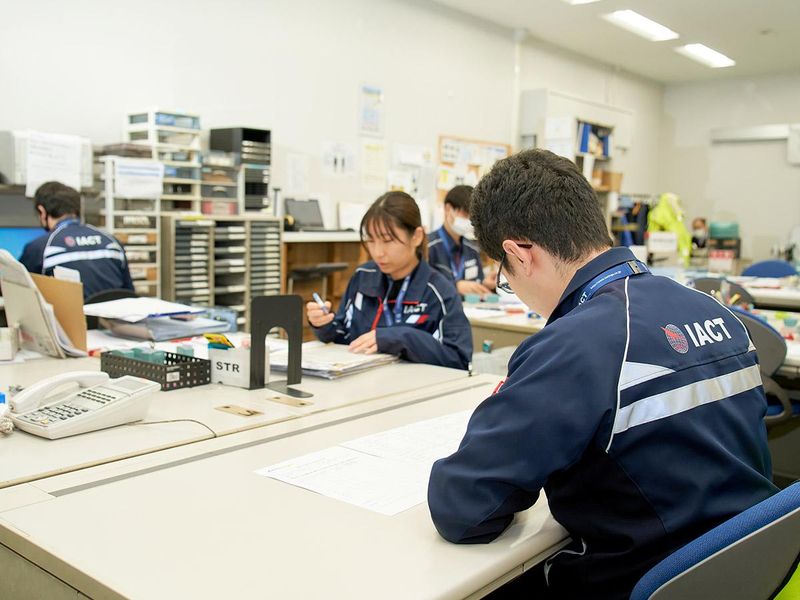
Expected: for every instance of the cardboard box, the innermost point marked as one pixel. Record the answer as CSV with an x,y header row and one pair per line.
x,y
612,180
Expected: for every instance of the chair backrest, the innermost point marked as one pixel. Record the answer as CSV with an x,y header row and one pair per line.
x,y
727,289
770,268
769,343
748,557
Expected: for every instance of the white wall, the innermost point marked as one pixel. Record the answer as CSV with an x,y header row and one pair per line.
x,y
748,182
546,67
293,67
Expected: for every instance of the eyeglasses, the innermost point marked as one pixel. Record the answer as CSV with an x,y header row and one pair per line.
x,y
504,284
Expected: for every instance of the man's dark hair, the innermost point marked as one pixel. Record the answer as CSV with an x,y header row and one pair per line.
x,y
57,199
539,197
459,197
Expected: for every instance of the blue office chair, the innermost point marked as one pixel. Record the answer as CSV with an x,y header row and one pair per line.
x,y
783,413
770,268
748,557
771,350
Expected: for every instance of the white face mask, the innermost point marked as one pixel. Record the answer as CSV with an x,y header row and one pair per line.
x,y
463,227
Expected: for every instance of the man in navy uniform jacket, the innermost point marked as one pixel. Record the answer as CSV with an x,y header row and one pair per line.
x,y
95,254
637,409
452,249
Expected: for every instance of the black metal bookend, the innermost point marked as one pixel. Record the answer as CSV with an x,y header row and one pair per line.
x,y
266,313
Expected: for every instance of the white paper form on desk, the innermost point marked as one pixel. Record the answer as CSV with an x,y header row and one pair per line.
x,y
424,442
386,487
386,472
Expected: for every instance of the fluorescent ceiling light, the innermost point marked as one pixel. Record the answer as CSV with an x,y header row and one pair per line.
x,y
636,23
574,2
707,56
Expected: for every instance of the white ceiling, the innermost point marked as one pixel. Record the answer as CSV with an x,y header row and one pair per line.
x,y
762,36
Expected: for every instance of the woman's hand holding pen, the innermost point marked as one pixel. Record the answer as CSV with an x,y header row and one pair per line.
x,y
317,316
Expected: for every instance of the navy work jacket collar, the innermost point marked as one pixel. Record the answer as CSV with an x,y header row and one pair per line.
x,y
453,243
373,283
571,296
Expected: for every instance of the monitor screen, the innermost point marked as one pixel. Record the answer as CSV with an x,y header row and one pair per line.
x,y
305,212
14,239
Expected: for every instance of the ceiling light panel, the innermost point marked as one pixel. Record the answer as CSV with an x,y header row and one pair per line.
x,y
705,55
640,25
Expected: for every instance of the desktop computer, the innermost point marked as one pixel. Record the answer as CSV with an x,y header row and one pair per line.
x,y
14,239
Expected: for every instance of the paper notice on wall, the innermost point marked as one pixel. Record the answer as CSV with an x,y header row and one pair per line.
x,y
52,157
373,165
565,147
138,178
297,175
411,156
338,158
370,111
445,178
402,181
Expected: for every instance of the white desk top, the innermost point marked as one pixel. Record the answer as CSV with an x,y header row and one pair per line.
x,y
518,322
211,528
31,457
788,298
293,237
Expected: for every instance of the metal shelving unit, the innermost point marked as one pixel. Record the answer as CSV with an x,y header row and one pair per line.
x,y
221,260
173,138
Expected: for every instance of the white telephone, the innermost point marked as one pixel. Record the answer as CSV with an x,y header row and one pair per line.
x,y
101,402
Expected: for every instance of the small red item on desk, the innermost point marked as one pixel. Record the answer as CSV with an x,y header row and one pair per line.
x,y
515,311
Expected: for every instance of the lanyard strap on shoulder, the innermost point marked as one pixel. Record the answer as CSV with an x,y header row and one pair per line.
x,y
626,269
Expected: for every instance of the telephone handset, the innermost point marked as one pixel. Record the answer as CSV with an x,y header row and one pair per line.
x,y
33,396
101,402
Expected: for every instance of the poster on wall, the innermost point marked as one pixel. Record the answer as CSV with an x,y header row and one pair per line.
x,y
370,110
373,165
297,175
338,158
52,157
135,178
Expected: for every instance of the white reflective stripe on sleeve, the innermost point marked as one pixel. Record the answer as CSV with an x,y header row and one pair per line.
x,y
634,373
60,259
50,250
685,398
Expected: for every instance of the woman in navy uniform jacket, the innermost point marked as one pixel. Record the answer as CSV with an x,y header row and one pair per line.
x,y
397,303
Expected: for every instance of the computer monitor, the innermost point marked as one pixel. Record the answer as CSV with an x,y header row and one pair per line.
x,y
306,213
14,239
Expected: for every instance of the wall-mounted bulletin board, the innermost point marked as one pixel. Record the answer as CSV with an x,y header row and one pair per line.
x,y
463,161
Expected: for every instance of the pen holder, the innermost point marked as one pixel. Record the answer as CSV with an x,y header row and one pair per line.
x,y
232,366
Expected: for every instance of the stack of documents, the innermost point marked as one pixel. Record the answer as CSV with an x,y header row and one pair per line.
x,y
153,319
330,361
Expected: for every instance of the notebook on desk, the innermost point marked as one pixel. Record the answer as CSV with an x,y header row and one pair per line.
x,y
307,215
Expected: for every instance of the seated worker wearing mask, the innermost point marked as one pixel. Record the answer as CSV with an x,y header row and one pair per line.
x,y
451,249
95,254
638,409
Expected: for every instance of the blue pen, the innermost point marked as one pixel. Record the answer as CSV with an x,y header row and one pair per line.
x,y
319,301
